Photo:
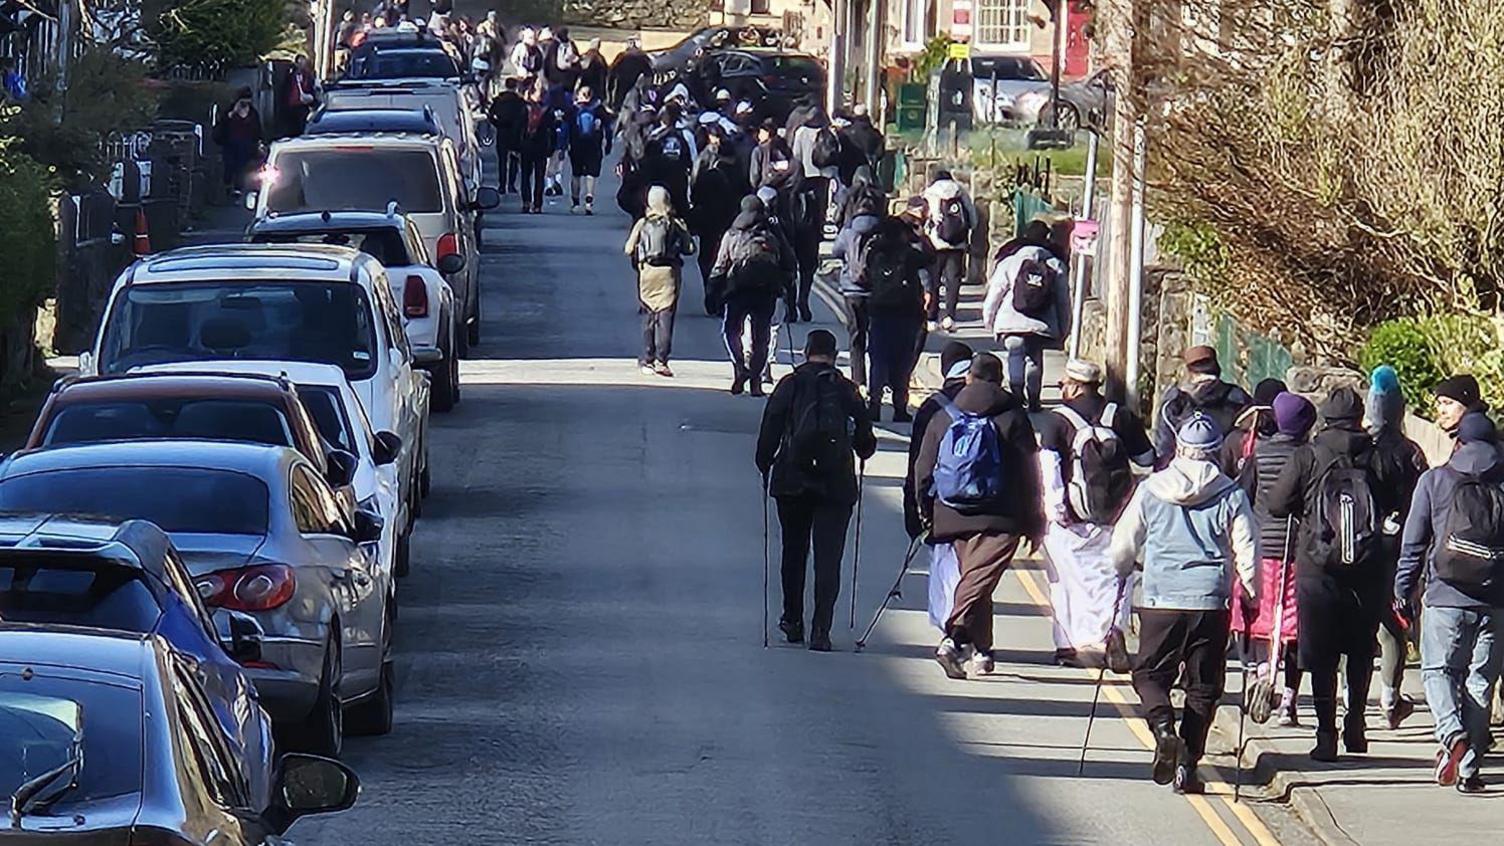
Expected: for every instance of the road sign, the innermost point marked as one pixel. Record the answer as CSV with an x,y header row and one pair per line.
x,y
960,50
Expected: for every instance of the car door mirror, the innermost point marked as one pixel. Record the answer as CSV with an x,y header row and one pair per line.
x,y
368,527
486,198
342,466
250,199
309,784
244,641
86,363
451,264
388,447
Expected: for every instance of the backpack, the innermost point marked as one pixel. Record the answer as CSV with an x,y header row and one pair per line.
x,y
826,149
532,60
535,113
657,243
565,57
1101,480
1033,287
669,144
587,124
818,442
880,269
754,260
969,469
953,225
1471,549
1345,522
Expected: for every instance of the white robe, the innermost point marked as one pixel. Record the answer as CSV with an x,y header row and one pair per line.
x,y
1083,581
945,573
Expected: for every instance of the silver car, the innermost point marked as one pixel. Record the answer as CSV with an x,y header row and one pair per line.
x,y
261,533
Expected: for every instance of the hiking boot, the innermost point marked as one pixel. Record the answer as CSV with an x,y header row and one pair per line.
x,y
949,659
1355,735
819,642
1186,781
1403,707
1448,758
982,663
793,631
1325,749
661,368
1068,658
1168,747
1472,784
738,385
647,370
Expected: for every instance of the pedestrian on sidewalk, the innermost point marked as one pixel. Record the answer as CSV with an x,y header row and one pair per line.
x,y
657,246
752,267
1344,494
855,286
977,484
1202,391
1452,545
508,114
778,221
536,145
1457,397
669,154
816,153
1255,423
1087,450
241,141
812,429
1028,308
1384,417
945,571
1194,531
715,191
893,273
589,144
949,222
299,96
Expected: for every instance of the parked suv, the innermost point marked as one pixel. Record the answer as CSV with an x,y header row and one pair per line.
x,y
775,81
456,111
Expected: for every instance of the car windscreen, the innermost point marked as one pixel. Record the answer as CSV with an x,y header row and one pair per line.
x,y
412,63
385,245
109,596
178,499
256,421
354,178
45,719
329,323
328,414
1006,67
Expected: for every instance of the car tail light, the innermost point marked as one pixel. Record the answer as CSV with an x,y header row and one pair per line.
x,y
415,297
258,588
448,245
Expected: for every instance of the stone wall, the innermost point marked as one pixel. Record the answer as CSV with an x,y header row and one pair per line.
x,y
638,14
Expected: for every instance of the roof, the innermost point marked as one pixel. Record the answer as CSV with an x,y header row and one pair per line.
x,y
417,121
197,381
299,222
255,262
130,543
258,460
123,654
357,139
299,372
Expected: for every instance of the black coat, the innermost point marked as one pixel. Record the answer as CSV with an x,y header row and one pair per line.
x,y
1221,401
508,113
715,192
1020,510
786,478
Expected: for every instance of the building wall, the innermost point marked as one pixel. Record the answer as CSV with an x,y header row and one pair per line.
x,y
999,27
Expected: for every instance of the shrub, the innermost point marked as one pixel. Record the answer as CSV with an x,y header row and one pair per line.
x,y
28,237
1402,344
1425,350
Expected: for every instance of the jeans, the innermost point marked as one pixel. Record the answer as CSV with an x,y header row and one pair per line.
x,y
891,348
657,336
1460,653
949,272
757,306
1025,367
805,519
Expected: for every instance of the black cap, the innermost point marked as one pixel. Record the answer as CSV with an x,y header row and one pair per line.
x,y
1342,405
1265,392
1463,388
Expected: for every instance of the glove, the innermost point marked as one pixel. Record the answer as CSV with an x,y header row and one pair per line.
x,y
1406,611
1250,606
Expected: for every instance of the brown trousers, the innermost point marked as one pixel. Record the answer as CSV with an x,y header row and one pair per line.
x,y
983,558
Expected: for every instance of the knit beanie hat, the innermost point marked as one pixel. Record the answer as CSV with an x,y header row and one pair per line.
x,y
956,355
1199,437
1265,392
1293,414
1463,389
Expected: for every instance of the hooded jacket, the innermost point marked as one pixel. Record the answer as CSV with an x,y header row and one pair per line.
x,y
715,191
1019,510
787,478
998,312
1219,400
848,247
863,137
508,113
658,286
1427,521
938,192
1195,530
751,220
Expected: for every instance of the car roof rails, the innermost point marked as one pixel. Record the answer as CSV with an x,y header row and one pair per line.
x,y
392,209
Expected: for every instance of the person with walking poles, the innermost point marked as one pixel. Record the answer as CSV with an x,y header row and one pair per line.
x,y
977,485
1203,390
753,266
1088,448
950,220
1193,530
955,363
1028,308
814,429
1453,550
657,246
1346,496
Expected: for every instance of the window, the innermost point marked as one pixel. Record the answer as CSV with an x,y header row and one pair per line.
x,y
221,779
761,7
354,177
919,23
315,511
253,421
178,499
1003,23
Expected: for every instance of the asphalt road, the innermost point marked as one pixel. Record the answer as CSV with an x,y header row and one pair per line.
x,y
579,650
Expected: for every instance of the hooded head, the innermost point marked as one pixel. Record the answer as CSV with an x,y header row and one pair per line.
x,y
1342,409
1262,410
1198,439
658,201
1293,415
955,360
1385,405
752,214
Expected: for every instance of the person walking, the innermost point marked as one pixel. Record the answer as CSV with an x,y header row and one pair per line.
x,y
955,363
1457,397
536,145
977,487
1451,548
589,144
299,95
813,429
892,272
752,267
594,72
240,138
716,185
816,152
657,246
527,58
508,114
669,154
1203,390
950,220
1028,308
1193,529
1088,448
855,285
1346,497
1255,424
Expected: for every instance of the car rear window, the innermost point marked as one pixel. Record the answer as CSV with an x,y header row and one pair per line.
x,y
178,499
354,178
107,597
213,419
1006,67
410,63
385,245
43,715
795,66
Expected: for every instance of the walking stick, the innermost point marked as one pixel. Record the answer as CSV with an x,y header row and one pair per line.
x,y
1096,695
856,556
895,592
1237,779
763,489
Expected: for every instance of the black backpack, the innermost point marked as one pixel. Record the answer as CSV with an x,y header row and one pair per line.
x,y
1470,551
1034,287
1101,479
1344,517
954,224
668,146
818,441
754,260
826,149
881,270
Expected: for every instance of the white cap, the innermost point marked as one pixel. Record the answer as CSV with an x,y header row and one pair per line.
x,y
744,107
767,194
722,94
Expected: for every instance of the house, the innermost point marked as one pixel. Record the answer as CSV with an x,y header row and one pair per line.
x,y
998,27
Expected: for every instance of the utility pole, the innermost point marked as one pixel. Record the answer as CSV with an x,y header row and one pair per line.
x,y
877,25
835,83
1117,18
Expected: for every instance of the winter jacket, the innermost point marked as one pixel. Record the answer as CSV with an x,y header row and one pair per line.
x,y
1427,521
658,285
862,136
785,477
743,228
715,192
1195,530
1018,511
935,196
508,113
593,73
804,147
628,67
912,520
1219,400
1270,457
998,313
542,140
772,163
847,247
556,53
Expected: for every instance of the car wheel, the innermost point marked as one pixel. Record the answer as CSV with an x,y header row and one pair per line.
x,y
373,716
1070,119
323,733
446,383
403,563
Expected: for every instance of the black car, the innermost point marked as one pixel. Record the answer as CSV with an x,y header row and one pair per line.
x,y
356,121
708,39
108,738
774,81
404,55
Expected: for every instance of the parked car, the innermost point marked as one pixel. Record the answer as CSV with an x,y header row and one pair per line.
x,y
79,773
710,38
775,81
997,83
266,302
260,533
343,423
457,112
404,55
363,121
429,315
126,576
371,172
262,409
1084,104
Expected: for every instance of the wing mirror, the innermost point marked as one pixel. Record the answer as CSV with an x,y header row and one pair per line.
x,y
451,264
309,784
250,199
368,527
388,447
486,198
342,466
244,641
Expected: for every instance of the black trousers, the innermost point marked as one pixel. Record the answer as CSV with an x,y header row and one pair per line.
x,y
856,333
1169,638
533,169
657,335
950,273
809,232
508,166
891,348
739,307
807,519
710,244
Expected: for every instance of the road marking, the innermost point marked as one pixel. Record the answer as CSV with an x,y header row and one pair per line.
x,y
1200,804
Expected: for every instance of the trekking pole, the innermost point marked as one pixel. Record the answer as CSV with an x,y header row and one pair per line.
x,y
763,489
856,556
895,592
1096,695
1237,779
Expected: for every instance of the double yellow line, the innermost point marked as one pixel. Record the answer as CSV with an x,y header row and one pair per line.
x,y
1217,789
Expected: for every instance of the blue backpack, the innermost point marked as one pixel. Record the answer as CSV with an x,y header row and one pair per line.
x,y
588,124
969,469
